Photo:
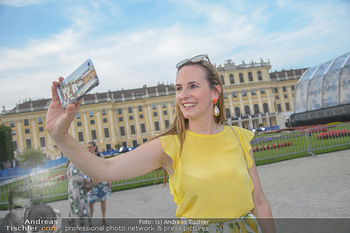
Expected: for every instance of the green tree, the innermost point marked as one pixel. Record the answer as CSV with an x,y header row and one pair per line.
x,y
32,158
117,146
6,147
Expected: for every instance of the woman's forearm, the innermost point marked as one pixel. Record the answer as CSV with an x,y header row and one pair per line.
x,y
265,219
93,166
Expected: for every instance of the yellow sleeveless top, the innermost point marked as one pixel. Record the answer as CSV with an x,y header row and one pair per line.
x,y
211,178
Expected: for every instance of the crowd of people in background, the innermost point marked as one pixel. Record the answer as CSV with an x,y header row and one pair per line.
x,y
9,164
247,115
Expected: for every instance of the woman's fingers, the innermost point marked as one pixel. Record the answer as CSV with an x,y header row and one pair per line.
x,y
72,109
54,89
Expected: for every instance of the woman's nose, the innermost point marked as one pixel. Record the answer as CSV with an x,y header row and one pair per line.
x,y
184,94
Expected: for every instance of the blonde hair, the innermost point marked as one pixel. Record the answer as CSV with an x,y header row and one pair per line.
x,y
180,123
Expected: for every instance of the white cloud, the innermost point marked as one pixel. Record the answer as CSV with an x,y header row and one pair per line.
x,y
147,56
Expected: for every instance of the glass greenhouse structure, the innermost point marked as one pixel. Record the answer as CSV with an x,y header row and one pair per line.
x,y
322,94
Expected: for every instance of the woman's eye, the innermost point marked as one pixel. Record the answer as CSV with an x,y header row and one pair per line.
x,y
178,88
193,86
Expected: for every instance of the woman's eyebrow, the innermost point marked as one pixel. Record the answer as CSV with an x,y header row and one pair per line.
x,y
189,83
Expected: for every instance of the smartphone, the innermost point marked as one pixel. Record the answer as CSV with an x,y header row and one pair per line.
x,y
77,84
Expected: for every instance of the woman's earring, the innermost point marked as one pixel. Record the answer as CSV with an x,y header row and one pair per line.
x,y
216,109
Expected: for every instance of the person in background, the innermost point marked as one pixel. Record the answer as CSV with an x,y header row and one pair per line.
x,y
211,166
78,201
101,192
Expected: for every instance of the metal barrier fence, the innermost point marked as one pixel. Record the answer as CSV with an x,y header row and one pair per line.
x,y
53,183
300,140
37,185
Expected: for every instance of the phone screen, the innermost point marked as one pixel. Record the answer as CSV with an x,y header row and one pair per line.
x,y
77,84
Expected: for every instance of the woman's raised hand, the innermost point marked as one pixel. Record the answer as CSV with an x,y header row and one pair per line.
x,y
59,120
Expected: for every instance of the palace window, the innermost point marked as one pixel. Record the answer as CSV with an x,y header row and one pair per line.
x,y
222,80
93,134
40,120
81,136
259,76
250,77
241,79
232,80
122,131
29,143
106,131
132,128
42,142
287,107
156,124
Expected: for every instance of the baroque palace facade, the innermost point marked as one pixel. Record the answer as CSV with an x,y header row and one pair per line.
x,y
253,97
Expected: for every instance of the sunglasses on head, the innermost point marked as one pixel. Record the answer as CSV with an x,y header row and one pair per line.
x,y
194,59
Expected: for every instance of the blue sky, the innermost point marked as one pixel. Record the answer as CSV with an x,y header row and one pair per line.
x,y
137,42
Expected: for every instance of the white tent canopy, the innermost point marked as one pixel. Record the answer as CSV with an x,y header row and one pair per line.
x,y
323,86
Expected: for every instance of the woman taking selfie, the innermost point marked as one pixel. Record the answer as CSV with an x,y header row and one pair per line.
x,y
212,173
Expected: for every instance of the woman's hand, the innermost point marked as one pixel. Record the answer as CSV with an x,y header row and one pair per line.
x,y
59,120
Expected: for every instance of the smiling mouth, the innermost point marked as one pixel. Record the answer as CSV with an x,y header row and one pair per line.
x,y
189,105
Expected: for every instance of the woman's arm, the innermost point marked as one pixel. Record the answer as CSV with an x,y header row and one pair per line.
x,y
109,182
143,159
262,207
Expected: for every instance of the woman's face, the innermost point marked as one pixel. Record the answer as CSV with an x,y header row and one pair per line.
x,y
91,148
193,94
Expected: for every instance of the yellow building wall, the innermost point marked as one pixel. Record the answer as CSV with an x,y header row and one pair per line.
x,y
102,117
